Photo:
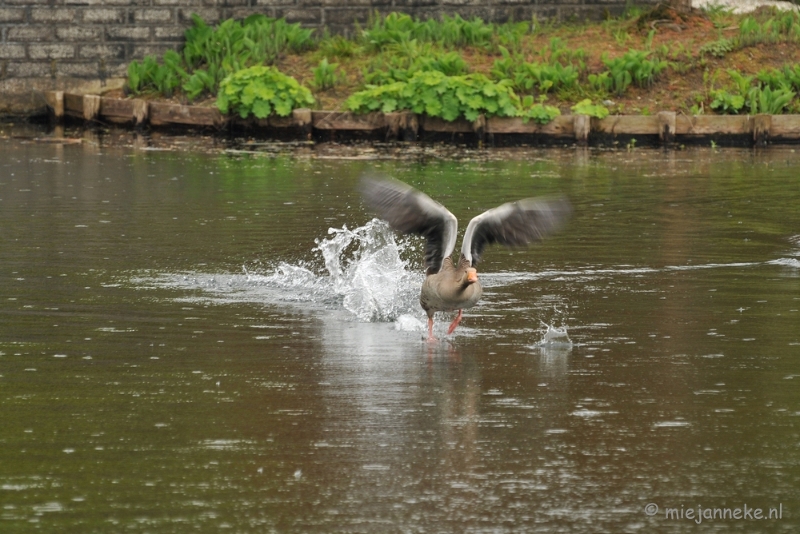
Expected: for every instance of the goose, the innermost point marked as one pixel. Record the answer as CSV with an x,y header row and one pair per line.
x,y
451,286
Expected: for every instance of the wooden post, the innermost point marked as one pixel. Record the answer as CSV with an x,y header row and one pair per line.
x,y
666,127
55,103
393,126
91,107
140,112
409,122
761,126
479,127
582,124
304,120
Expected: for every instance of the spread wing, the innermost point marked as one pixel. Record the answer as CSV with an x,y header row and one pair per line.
x,y
412,212
514,224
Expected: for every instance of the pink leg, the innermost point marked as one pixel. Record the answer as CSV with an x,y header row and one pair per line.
x,y
455,322
430,330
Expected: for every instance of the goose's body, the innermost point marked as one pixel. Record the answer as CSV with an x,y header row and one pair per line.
x,y
450,286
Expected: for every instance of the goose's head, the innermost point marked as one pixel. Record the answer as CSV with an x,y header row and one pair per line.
x,y
471,276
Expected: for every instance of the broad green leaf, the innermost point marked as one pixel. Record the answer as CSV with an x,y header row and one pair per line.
x,y
283,107
262,109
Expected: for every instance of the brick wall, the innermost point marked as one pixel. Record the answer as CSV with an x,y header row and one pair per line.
x,y
85,45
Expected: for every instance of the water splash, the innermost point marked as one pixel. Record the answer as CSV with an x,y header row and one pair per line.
x,y
366,269
364,272
555,336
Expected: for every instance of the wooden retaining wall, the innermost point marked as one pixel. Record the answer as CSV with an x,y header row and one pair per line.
x,y
666,127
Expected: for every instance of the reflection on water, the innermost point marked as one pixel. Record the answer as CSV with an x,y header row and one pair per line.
x,y
207,342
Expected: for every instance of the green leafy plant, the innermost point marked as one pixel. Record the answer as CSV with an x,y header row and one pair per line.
x,y
394,28
725,102
792,75
544,78
619,75
602,82
325,75
775,29
750,32
209,54
621,36
511,35
719,14
338,46
771,95
633,66
401,68
386,70
539,112
266,39
261,91
718,48
742,82
458,32
768,100
586,107
557,51
451,64
506,67
150,75
139,72
450,32
788,77
535,77
199,82
439,95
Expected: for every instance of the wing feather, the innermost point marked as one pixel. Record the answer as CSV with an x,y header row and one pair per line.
x,y
412,212
514,224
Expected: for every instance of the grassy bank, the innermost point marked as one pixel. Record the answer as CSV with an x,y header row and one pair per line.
x,y
708,61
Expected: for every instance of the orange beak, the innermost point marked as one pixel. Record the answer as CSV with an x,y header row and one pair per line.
x,y
472,275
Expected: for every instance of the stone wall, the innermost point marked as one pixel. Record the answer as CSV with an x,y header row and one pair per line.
x,y
85,45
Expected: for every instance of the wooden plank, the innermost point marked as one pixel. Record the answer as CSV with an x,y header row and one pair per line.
x,y
296,120
511,125
785,127
91,107
73,105
275,121
303,117
406,124
116,110
435,124
344,120
141,111
55,102
402,125
479,127
561,126
762,124
121,110
304,120
666,126
582,124
627,125
713,125
165,114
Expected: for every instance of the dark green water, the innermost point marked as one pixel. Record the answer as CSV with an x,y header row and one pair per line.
x,y
149,384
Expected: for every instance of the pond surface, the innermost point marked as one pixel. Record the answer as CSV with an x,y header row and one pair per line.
x,y
193,342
